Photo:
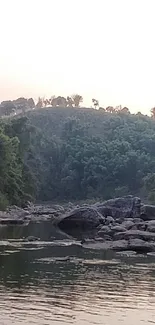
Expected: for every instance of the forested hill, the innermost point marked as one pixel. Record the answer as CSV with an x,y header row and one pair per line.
x,y
74,153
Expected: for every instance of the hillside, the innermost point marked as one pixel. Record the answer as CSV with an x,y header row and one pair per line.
x,y
74,153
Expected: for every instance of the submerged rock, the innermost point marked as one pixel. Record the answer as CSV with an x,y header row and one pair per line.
x,y
107,245
32,238
13,222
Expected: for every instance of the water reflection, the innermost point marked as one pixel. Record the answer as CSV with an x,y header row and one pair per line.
x,y
66,284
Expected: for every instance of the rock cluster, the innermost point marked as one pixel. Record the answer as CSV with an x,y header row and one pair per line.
x,y
119,224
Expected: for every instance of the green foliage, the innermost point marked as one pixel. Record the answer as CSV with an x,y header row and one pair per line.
x,y
3,202
75,154
91,154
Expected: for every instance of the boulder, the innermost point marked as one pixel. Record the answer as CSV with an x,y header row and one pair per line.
x,y
107,245
109,220
81,218
139,226
119,245
119,220
138,220
128,224
127,206
150,226
140,246
118,228
105,230
147,212
145,235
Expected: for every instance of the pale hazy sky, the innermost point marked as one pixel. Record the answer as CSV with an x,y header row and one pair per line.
x,y
98,48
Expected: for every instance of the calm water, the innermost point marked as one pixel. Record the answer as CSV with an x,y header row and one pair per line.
x,y
55,281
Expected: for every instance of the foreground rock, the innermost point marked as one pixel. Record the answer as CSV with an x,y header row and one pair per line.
x,y
136,245
140,234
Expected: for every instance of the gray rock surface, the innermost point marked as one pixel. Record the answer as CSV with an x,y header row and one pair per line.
x,y
150,226
127,206
128,224
118,224
147,212
145,235
140,246
82,218
109,220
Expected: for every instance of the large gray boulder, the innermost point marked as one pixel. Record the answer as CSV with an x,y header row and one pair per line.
x,y
140,246
124,207
150,226
147,212
82,218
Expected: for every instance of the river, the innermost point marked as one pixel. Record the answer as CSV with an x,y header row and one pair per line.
x,y
56,281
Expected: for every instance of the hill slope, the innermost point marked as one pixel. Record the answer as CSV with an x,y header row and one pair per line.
x,y
75,153
89,153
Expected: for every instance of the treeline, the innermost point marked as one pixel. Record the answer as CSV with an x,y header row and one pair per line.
x,y
72,154
22,105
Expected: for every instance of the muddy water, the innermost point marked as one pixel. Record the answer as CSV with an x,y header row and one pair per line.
x,y
56,281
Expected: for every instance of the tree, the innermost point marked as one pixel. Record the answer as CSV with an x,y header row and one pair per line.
x,y
95,103
31,103
70,101
118,108
102,109
21,104
125,110
77,99
153,112
59,101
40,102
110,109
7,107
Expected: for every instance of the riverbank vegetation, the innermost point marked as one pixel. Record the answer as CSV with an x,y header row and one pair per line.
x,y
73,153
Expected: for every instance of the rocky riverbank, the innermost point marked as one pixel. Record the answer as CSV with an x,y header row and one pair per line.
x,y
118,224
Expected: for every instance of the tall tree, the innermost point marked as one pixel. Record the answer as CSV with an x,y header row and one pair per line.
x,y
95,103
70,101
59,101
77,99
110,109
40,102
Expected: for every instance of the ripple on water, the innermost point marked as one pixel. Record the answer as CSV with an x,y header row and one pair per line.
x,y
59,282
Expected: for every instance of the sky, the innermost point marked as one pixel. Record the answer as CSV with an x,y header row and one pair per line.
x,y
101,49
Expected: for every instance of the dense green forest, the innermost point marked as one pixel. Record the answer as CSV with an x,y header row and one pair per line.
x,y
76,153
